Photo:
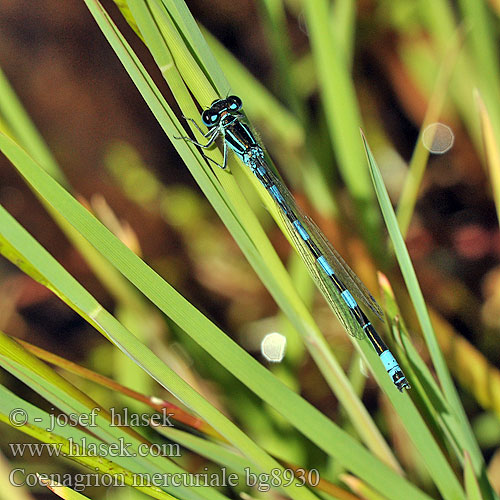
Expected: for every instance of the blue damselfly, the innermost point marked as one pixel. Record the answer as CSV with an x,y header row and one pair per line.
x,y
338,283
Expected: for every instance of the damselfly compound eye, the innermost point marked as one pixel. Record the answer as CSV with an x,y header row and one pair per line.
x,y
210,118
234,103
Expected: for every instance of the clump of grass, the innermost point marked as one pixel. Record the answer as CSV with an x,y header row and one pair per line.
x,y
431,416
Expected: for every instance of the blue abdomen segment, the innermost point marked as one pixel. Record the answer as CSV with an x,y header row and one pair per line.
x,y
276,194
326,267
390,363
349,299
300,229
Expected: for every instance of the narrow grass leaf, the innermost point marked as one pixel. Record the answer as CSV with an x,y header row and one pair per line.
x,y
191,32
274,22
342,116
61,491
158,404
492,150
471,485
18,124
343,20
415,292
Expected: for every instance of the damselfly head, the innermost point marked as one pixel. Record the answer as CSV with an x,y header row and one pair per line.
x,y
211,117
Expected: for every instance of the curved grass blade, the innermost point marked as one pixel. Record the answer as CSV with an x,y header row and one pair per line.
x,y
492,150
465,436
58,489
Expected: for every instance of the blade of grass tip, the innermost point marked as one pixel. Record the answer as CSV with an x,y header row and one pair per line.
x,y
244,367
316,343
58,489
22,128
418,162
431,402
471,485
491,148
415,292
411,279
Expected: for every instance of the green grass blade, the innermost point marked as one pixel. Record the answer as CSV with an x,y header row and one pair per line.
x,y
274,21
471,485
190,30
343,21
466,437
492,150
62,491
342,116
20,126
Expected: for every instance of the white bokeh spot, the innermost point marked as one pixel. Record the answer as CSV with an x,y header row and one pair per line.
x,y
438,138
273,347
